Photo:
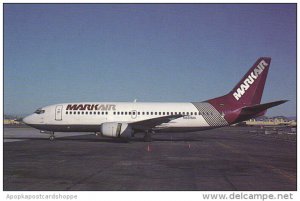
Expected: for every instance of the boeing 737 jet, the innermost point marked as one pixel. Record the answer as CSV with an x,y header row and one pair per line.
x,y
124,119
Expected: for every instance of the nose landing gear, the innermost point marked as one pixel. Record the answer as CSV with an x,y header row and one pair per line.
x,y
52,136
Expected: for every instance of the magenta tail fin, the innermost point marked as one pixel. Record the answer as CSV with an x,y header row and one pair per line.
x,y
250,88
246,94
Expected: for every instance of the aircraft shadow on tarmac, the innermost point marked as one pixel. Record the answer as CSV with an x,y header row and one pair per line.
x,y
109,140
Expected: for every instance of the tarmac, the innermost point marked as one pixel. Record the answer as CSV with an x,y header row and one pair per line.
x,y
224,159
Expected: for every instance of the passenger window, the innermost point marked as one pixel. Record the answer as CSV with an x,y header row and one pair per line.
x,y
163,113
151,113
143,113
125,113
167,113
159,113
155,113
66,112
102,113
138,113
106,112
98,113
187,113
147,113
70,112
121,113
94,112
114,113
118,113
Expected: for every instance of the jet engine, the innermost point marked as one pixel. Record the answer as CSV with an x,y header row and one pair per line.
x,y
114,129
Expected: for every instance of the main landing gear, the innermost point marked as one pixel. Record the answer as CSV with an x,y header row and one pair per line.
x,y
148,136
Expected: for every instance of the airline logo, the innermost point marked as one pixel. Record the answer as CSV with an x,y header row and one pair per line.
x,y
250,79
91,107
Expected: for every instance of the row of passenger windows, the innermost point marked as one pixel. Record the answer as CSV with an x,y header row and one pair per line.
x,y
141,113
103,113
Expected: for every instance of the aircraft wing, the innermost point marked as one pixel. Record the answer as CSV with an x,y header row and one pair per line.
x,y
151,123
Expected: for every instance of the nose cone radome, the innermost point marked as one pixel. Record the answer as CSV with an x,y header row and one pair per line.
x,y
27,120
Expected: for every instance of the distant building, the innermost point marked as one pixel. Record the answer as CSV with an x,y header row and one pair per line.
x,y
274,121
10,122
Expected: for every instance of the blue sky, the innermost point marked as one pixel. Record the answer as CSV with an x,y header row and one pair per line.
x,y
56,53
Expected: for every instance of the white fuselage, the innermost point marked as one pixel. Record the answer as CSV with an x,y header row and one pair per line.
x,y
88,117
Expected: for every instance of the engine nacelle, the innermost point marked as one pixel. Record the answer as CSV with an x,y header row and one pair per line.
x,y
115,129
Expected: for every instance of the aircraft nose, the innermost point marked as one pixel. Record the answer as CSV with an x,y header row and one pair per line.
x,y
27,120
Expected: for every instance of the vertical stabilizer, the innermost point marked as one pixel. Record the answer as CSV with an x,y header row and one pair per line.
x,y
250,88
247,92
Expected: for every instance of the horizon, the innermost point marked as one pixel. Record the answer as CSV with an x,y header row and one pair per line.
x,y
56,53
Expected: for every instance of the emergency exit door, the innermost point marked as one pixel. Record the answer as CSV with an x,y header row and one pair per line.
x,y
58,113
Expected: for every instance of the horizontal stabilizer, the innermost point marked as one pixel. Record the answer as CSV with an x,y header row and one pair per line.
x,y
260,107
257,110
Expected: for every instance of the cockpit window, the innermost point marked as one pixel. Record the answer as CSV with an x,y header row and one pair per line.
x,y
39,111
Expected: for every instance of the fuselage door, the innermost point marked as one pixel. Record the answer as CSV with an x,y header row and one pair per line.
x,y
58,112
133,114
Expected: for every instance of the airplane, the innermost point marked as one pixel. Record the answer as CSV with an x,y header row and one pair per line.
x,y
124,119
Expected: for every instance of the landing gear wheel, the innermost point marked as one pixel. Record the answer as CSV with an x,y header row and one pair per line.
x,y
147,137
52,137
